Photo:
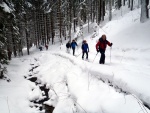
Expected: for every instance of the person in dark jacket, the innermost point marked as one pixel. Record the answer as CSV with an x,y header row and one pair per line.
x,y
101,47
85,49
40,47
73,45
68,46
9,54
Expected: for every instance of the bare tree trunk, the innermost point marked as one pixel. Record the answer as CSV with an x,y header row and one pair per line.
x,y
52,27
45,29
144,15
88,23
91,10
27,34
38,28
103,9
48,27
74,14
20,40
110,10
113,2
147,10
99,11
131,8
60,21
123,2
27,41
14,44
128,3
70,19
139,3
35,30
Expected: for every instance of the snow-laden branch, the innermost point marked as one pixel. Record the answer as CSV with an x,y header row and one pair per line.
x,y
6,7
50,8
83,3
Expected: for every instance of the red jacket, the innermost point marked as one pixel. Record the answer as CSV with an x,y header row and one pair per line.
x,y
102,44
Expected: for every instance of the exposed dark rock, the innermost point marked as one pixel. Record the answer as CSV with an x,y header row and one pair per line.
x,y
38,103
32,79
46,90
48,109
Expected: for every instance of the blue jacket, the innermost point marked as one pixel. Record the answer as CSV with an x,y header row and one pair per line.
x,y
85,47
73,44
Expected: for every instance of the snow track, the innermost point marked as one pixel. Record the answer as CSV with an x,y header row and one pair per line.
x,y
75,85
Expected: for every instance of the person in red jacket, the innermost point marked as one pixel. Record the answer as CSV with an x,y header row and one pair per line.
x,y
46,46
101,47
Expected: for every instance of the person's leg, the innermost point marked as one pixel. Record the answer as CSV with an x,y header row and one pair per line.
x,y
83,55
9,57
100,61
73,51
86,55
102,58
67,50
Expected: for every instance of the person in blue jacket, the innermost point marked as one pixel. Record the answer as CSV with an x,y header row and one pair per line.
x,y
85,49
73,46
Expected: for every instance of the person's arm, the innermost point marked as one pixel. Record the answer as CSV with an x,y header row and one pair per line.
x,y
82,47
97,45
88,47
109,44
76,44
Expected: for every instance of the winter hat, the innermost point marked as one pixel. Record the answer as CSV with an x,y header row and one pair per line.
x,y
104,37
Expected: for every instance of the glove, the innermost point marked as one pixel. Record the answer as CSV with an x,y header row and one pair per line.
x,y
111,44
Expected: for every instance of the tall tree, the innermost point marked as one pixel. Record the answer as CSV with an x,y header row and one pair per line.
x,y
110,10
4,18
118,4
124,2
131,7
3,39
147,8
129,3
144,10
99,3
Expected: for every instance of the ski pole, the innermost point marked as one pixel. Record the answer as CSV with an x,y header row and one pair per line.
x,y
95,57
78,54
110,54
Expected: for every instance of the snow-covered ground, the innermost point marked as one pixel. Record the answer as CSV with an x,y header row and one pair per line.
x,y
121,85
